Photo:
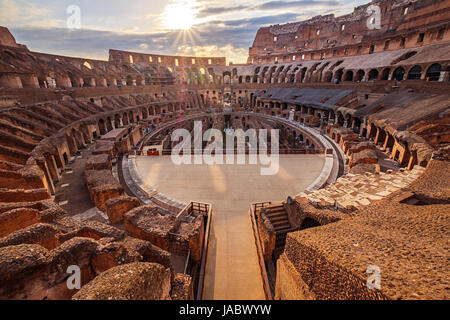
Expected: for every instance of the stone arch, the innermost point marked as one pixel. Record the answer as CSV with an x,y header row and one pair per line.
x,y
227,77
385,74
131,116
125,119
399,74
130,80
329,76
360,75
102,126
109,125
72,141
434,72
415,73
271,73
348,75
373,75
338,74
301,75
76,80
263,74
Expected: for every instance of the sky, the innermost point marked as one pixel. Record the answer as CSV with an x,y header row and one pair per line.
x,y
215,28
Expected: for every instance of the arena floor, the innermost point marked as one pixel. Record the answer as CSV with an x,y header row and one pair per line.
x,y
232,267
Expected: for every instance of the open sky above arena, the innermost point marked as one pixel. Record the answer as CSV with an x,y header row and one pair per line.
x,y
182,27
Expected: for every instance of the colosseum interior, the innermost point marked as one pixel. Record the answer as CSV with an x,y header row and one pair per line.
x,y
363,120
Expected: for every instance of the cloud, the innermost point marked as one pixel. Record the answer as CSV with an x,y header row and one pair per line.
x,y
274,5
257,22
95,44
267,6
220,10
230,30
23,12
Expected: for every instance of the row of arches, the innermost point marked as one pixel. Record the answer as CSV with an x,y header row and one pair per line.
x,y
327,72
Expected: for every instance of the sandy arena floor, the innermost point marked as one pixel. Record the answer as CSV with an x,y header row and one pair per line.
x,y
232,268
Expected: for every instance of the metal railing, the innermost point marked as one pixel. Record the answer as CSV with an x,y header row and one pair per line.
x,y
195,209
260,205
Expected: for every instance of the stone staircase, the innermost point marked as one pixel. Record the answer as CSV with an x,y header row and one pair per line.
x,y
355,190
279,219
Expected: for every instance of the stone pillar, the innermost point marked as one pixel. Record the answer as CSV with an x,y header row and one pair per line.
x,y
48,180
377,136
52,168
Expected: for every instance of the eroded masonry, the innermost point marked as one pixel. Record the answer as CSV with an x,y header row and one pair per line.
x,y
373,103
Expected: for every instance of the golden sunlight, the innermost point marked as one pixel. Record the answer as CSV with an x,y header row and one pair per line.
x,y
180,15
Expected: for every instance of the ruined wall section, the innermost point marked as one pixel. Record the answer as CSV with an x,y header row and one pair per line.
x,y
325,36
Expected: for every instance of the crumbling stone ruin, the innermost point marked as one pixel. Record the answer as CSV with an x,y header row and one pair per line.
x,y
374,102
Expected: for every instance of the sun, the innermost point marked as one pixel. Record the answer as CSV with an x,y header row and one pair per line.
x,y
180,15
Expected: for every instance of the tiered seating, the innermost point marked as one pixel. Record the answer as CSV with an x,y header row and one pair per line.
x,y
355,190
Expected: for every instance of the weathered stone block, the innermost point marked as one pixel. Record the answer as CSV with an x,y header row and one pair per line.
x,y
117,207
135,281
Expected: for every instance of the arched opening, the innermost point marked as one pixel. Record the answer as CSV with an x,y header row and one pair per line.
x,y
227,77
338,75
125,119
415,73
309,223
109,124
360,75
434,72
66,159
348,76
130,81
373,75
399,74
385,74
102,126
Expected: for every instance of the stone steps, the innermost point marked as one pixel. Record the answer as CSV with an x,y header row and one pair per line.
x,y
279,219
